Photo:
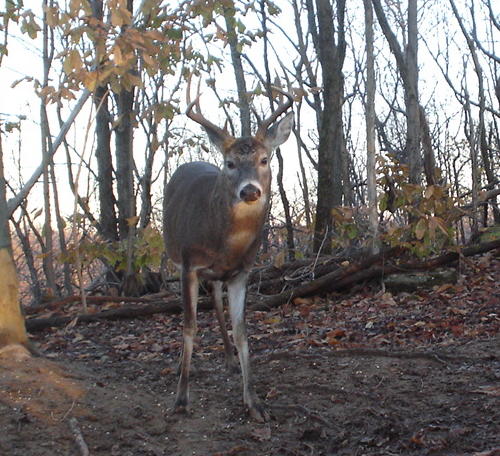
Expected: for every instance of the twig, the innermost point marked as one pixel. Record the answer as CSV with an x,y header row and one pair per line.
x,y
319,252
68,411
77,433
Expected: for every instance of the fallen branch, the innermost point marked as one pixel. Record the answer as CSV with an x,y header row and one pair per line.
x,y
358,272
128,311
324,283
57,303
376,266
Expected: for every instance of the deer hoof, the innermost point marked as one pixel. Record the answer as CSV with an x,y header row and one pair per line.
x,y
258,413
181,410
181,405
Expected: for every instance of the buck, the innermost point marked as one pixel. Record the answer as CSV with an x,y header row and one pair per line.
x,y
213,225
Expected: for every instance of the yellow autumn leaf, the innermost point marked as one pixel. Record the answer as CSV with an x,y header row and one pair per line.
x,y
51,16
91,80
429,191
272,320
133,80
116,18
72,62
117,55
120,16
148,60
420,229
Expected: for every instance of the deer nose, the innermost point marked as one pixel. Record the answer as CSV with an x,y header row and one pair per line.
x,y
250,193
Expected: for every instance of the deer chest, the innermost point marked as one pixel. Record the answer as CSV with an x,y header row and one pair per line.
x,y
246,225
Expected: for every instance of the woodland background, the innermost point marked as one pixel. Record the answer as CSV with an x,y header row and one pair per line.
x,y
396,139
393,168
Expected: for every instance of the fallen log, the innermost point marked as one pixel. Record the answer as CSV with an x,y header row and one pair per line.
x,y
57,303
375,266
324,283
356,273
126,311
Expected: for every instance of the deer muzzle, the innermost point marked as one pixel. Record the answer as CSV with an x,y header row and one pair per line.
x,y
250,193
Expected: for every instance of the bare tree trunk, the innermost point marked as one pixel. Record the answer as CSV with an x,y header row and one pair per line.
x,y
284,200
407,64
12,329
471,137
232,38
305,185
125,176
60,233
412,102
146,179
124,134
370,127
36,289
107,202
48,255
429,159
108,221
331,136
125,161
483,146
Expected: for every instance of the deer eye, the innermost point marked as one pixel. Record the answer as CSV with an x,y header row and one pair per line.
x,y
230,164
264,161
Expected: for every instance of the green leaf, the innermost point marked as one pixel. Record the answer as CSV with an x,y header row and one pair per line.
x,y
383,203
352,231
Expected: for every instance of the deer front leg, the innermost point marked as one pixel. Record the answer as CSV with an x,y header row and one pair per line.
x,y
231,362
189,284
236,289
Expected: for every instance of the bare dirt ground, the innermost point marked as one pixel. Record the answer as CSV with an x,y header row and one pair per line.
x,y
369,373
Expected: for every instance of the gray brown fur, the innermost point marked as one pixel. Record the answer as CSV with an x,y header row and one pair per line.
x,y
213,221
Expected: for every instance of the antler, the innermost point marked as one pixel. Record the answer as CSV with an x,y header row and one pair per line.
x,y
198,116
266,123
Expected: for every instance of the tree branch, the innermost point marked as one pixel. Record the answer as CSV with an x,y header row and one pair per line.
x,y
16,201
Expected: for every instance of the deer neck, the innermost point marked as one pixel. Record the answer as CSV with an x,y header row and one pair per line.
x,y
246,224
243,221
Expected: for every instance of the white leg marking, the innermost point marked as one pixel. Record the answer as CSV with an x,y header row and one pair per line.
x,y
189,280
236,289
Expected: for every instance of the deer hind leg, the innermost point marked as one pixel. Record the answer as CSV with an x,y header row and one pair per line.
x,y
231,362
236,292
189,283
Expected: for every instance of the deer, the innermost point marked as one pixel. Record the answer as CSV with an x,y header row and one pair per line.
x,y
214,219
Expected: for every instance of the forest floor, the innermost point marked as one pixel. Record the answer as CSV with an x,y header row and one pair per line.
x,y
370,373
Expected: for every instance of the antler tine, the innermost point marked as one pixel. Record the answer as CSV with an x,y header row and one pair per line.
x,y
198,116
266,123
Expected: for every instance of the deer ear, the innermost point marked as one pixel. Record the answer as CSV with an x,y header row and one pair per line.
x,y
217,137
279,131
